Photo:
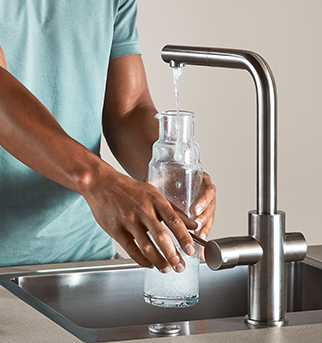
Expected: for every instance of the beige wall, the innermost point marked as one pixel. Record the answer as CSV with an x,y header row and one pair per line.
x,y
288,35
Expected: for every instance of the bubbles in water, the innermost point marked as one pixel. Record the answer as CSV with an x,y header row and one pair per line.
x,y
178,184
174,285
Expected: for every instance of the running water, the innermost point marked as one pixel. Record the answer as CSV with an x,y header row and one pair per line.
x,y
177,71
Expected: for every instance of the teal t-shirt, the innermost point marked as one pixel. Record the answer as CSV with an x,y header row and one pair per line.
x,y
60,51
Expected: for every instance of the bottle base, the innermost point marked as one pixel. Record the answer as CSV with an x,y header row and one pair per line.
x,y
171,303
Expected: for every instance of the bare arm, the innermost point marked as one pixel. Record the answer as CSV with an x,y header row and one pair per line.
x,y
119,203
128,118
30,133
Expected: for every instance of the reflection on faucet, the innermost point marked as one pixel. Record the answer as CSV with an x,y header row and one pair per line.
x,y
267,247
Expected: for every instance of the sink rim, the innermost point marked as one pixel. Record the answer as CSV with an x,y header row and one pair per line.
x,y
129,332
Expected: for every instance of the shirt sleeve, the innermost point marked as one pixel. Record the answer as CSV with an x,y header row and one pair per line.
x,y
125,36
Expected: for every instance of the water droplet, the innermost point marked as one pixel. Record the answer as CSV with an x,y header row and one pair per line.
x,y
178,184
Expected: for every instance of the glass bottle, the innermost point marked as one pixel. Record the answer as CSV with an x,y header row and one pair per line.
x,y
175,169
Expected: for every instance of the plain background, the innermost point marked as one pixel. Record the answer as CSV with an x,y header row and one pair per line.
x,y
287,34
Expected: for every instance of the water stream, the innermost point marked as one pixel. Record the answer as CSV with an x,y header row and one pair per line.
x,y
177,71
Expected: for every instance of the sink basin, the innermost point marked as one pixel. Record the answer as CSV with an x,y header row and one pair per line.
x,y
102,304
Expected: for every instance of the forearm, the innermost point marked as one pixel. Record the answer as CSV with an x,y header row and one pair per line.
x,y
31,134
128,118
131,139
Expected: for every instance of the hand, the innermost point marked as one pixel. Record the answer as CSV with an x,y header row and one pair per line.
x,y
205,209
127,209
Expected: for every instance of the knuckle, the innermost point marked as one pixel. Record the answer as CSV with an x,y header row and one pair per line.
x,y
174,222
126,213
174,259
145,208
184,240
146,248
211,188
162,237
130,217
153,195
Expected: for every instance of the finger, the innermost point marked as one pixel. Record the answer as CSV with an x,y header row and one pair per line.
x,y
164,241
208,195
127,242
151,252
138,231
205,220
189,223
202,253
177,227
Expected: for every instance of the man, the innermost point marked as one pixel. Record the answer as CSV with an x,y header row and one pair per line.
x,y
80,68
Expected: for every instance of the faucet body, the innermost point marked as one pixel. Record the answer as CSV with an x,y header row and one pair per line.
x,y
267,247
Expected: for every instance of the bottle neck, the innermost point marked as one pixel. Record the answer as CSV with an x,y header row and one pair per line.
x,y
175,127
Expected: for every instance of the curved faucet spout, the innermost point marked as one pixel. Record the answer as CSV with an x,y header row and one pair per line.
x,y
266,107
267,247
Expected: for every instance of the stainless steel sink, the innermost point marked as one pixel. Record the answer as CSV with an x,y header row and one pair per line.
x,y
106,303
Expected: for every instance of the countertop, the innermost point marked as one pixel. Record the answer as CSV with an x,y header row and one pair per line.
x,y
21,323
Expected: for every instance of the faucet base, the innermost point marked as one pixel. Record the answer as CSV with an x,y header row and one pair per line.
x,y
263,324
266,277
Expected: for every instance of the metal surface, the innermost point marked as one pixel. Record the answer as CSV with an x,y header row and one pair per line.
x,y
266,224
230,252
295,247
266,107
107,304
166,329
266,278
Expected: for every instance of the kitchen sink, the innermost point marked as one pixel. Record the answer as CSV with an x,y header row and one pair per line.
x,y
105,303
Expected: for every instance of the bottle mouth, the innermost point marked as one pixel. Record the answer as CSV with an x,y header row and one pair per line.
x,y
175,113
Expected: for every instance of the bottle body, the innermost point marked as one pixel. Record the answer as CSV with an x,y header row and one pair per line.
x,y
175,169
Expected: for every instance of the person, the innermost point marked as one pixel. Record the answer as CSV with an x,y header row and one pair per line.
x,y
69,70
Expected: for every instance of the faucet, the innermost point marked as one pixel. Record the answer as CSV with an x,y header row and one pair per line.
x,y
267,247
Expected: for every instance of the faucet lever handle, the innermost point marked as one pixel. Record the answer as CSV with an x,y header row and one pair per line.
x,y
198,239
229,252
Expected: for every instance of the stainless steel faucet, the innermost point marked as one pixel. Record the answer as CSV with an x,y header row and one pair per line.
x,y
267,247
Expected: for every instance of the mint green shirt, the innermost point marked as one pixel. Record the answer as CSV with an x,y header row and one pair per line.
x,y
60,50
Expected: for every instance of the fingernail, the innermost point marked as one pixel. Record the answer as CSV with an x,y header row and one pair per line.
x,y
199,209
179,268
203,236
199,222
165,270
190,249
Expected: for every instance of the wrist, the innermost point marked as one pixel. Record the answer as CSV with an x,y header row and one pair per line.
x,y
89,178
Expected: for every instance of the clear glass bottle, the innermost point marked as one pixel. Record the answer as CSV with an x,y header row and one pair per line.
x,y
175,169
